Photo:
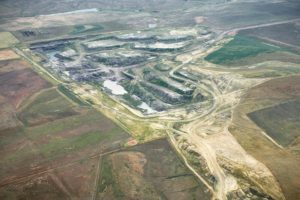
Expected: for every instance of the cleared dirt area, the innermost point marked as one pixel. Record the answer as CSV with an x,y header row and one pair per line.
x,y
148,171
7,55
283,163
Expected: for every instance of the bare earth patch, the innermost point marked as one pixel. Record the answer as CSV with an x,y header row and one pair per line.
x,y
8,55
199,19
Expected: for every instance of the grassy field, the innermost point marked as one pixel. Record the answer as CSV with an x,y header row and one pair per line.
x,y
148,171
7,40
281,122
241,47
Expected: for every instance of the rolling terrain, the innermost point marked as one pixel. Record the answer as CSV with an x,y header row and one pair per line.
x,y
141,100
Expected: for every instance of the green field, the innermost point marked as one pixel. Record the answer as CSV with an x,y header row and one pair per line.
x,y
239,48
281,122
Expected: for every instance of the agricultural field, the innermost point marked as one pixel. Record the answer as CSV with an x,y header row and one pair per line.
x,y
148,171
245,50
281,122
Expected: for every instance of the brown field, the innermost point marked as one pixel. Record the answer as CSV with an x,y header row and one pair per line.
x,y
284,163
75,181
8,54
29,152
49,146
148,171
18,82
